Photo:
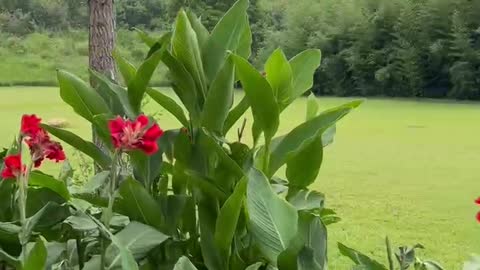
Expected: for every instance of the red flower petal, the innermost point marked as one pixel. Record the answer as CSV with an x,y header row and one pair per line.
x,y
116,125
30,125
142,120
477,201
55,152
149,147
478,217
13,166
153,133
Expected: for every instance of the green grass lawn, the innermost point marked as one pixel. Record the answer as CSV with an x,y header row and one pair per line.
x,y
403,168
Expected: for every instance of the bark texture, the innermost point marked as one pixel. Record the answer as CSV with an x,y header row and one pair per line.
x,y
101,45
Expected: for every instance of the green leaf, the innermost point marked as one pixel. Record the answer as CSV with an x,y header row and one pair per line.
x,y
360,259
48,216
80,222
85,101
199,28
244,48
219,99
9,232
228,217
136,203
303,68
303,166
255,266
184,86
37,256
96,182
138,85
118,95
138,239
146,168
9,259
272,221
235,114
214,258
88,148
40,179
279,75
226,36
150,41
168,104
127,69
184,264
306,199
260,96
308,250
292,141
186,49
312,107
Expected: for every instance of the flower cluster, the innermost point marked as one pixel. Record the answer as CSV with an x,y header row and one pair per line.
x,y
39,143
477,201
138,134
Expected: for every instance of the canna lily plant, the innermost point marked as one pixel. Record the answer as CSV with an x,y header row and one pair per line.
x,y
187,197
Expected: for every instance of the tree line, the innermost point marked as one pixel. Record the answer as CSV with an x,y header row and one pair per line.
x,y
405,48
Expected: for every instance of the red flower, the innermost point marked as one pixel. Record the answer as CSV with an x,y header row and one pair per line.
x,y
130,135
30,125
478,217
477,201
41,147
12,166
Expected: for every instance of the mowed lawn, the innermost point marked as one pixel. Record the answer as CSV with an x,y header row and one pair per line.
x,y
403,168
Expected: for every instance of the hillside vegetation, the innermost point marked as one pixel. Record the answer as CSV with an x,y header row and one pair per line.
x,y
408,48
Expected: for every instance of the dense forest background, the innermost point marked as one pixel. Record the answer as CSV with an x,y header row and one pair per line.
x,y
407,48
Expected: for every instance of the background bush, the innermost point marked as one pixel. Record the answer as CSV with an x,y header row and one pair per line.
x,y
404,48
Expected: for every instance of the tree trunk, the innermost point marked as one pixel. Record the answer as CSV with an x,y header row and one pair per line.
x,y
101,44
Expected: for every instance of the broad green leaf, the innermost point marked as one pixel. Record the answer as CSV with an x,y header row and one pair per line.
x,y
184,85
303,166
235,114
136,203
146,38
244,48
303,68
228,217
219,98
96,182
255,266
308,250
279,75
138,85
127,69
37,257
360,259
84,100
306,199
199,28
138,239
173,207
48,216
146,168
7,193
88,148
168,104
226,36
272,221
9,232
214,257
312,107
260,96
40,179
184,264
118,94
281,150
164,40
186,49
80,222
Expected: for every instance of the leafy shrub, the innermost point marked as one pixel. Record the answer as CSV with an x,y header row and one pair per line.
x,y
183,198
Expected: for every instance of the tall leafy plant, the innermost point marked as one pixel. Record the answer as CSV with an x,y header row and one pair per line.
x,y
193,199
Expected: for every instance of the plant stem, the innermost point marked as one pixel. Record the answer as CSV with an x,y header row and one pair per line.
x,y
107,216
266,157
22,205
